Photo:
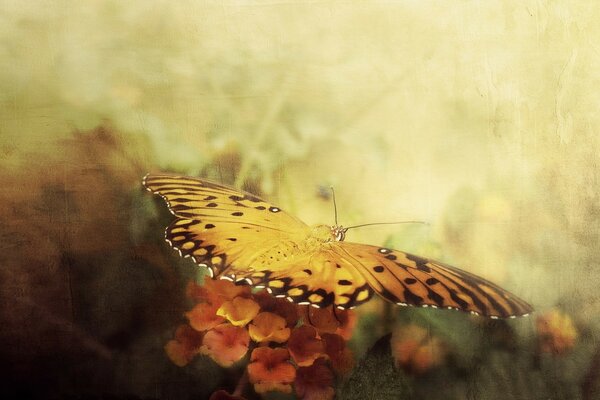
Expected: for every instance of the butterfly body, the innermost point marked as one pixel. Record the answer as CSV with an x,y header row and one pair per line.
x,y
242,238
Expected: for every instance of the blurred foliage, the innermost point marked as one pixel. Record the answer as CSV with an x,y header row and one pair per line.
x,y
480,119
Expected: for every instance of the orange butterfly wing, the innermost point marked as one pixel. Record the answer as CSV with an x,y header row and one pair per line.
x,y
406,279
219,227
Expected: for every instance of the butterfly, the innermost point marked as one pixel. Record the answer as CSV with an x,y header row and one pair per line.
x,y
242,238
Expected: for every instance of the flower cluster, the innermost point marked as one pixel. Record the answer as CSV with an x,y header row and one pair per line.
x,y
291,347
556,332
415,351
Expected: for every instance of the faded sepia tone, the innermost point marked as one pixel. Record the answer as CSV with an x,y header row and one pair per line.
x,y
479,118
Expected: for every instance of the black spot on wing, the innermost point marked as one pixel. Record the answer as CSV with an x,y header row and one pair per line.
x,y
412,298
420,262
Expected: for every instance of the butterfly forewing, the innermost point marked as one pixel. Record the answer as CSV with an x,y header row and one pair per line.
x,y
406,279
220,227
207,201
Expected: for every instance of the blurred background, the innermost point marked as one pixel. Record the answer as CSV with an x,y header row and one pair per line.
x,y
480,118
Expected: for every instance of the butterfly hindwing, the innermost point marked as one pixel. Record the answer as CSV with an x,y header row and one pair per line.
x,y
320,278
406,279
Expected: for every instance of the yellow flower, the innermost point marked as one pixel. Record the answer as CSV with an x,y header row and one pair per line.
x,y
239,311
269,327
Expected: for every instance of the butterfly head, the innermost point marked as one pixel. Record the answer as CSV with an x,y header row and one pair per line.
x,y
339,232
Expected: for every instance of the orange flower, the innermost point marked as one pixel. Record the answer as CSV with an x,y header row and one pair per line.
x,y
281,307
270,370
330,320
185,346
323,319
347,320
304,346
195,292
415,351
268,327
225,344
204,317
239,311
556,332
216,291
315,382
339,354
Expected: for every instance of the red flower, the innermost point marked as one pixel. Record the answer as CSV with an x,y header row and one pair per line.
x,y
315,382
281,307
304,345
225,344
270,370
185,346
347,320
324,320
337,351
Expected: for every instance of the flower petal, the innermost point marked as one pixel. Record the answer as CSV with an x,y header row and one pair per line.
x,y
315,382
270,370
226,344
204,317
556,332
269,327
185,346
239,311
415,350
281,307
340,355
304,346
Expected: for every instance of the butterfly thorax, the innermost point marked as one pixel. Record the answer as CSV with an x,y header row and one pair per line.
x,y
326,233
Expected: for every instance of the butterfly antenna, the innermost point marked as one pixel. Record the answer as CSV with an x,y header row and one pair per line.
x,y
334,204
389,223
